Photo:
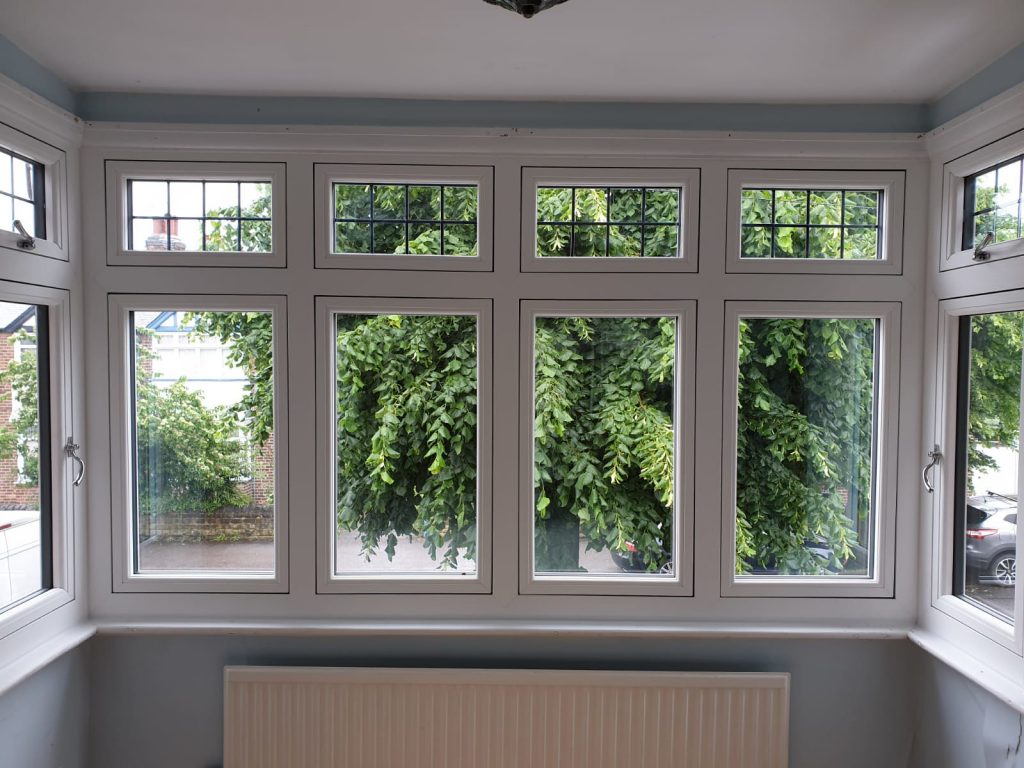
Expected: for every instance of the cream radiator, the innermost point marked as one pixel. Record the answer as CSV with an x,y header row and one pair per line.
x,y
298,717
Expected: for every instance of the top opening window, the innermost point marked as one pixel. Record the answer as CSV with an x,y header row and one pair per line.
x,y
196,214
22,194
610,219
404,217
992,204
824,222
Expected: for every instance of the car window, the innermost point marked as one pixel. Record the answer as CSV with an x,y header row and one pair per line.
x,y
975,516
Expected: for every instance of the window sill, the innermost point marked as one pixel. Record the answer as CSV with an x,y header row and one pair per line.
x,y
497,628
22,667
1007,690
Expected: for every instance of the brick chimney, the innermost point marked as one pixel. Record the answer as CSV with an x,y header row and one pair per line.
x,y
158,240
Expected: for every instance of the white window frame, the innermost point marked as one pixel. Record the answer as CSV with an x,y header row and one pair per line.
x,y
880,584
680,584
943,501
327,174
63,589
954,174
119,172
328,582
891,183
687,179
125,579
54,161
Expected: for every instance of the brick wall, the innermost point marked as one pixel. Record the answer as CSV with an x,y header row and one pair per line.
x,y
227,524
260,487
13,495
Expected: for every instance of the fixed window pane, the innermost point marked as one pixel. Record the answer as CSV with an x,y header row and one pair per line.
x,y
604,445
988,461
200,216
24,454
203,432
826,224
21,194
405,427
416,219
598,222
992,204
806,446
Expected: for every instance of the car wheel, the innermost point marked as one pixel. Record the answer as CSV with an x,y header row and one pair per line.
x,y
1003,570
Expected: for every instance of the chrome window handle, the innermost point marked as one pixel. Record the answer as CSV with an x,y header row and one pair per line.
x,y
71,449
934,456
26,240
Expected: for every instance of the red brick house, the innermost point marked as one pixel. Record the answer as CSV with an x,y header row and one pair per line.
x,y
15,492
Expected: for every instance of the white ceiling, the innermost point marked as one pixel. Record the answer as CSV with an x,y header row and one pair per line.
x,y
646,50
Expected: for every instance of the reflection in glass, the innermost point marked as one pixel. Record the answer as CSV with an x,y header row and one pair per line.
x,y
988,460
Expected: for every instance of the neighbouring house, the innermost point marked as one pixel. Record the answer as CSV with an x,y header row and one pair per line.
x,y
202,363
16,492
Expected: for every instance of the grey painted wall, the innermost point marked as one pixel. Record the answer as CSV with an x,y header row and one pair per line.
x,y
161,697
960,725
44,721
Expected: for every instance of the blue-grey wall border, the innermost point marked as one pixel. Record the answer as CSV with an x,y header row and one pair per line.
x,y
1001,75
27,72
124,107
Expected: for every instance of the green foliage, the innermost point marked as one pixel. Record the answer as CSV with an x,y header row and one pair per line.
x,y
380,212
996,196
995,384
603,436
816,223
406,431
616,221
255,236
188,455
804,440
20,436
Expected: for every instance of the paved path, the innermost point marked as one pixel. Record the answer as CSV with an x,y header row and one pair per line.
x,y
254,556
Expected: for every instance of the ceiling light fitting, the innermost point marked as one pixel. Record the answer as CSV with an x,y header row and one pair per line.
x,y
526,8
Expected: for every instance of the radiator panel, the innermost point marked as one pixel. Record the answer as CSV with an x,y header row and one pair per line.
x,y
297,717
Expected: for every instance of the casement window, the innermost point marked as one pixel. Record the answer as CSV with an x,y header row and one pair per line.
x,y
405,445
26,486
200,416
610,219
810,418
36,471
33,189
606,479
986,481
976,480
815,221
404,217
196,214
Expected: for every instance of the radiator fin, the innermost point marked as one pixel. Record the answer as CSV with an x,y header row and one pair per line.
x,y
296,717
